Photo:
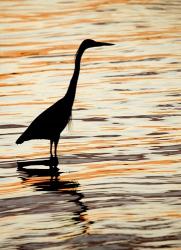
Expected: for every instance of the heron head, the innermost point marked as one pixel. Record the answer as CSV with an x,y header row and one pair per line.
x,y
89,43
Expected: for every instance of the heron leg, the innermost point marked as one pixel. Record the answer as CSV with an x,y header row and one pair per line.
x,y
51,146
56,144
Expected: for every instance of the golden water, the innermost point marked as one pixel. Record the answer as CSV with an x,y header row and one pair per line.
x,y
119,166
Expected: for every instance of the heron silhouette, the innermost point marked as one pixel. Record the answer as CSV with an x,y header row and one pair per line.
x,y
51,122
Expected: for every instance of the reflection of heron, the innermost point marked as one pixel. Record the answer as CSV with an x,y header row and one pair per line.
x,y
49,124
40,182
52,162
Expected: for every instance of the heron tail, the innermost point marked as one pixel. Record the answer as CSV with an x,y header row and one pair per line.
x,y
20,140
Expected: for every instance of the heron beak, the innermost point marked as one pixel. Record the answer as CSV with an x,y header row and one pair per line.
x,y
103,44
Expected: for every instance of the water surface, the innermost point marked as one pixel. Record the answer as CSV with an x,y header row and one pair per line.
x,y
117,185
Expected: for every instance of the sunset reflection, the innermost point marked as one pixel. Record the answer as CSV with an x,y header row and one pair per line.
x,y
116,181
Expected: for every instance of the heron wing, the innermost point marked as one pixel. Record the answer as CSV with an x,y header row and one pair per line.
x,y
49,123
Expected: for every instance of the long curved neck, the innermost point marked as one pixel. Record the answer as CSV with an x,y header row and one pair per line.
x,y
70,95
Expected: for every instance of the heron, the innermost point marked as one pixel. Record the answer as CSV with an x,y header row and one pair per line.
x,y
51,122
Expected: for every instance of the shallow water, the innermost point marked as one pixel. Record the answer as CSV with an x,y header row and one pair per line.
x,y
117,185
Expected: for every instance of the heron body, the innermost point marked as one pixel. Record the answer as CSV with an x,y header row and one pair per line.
x,y
51,122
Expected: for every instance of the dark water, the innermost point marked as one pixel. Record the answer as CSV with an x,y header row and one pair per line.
x,y
117,184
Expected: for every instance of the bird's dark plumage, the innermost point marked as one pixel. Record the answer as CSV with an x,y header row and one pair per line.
x,y
50,123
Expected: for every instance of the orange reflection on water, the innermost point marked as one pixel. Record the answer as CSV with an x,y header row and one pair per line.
x,y
124,148
8,188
